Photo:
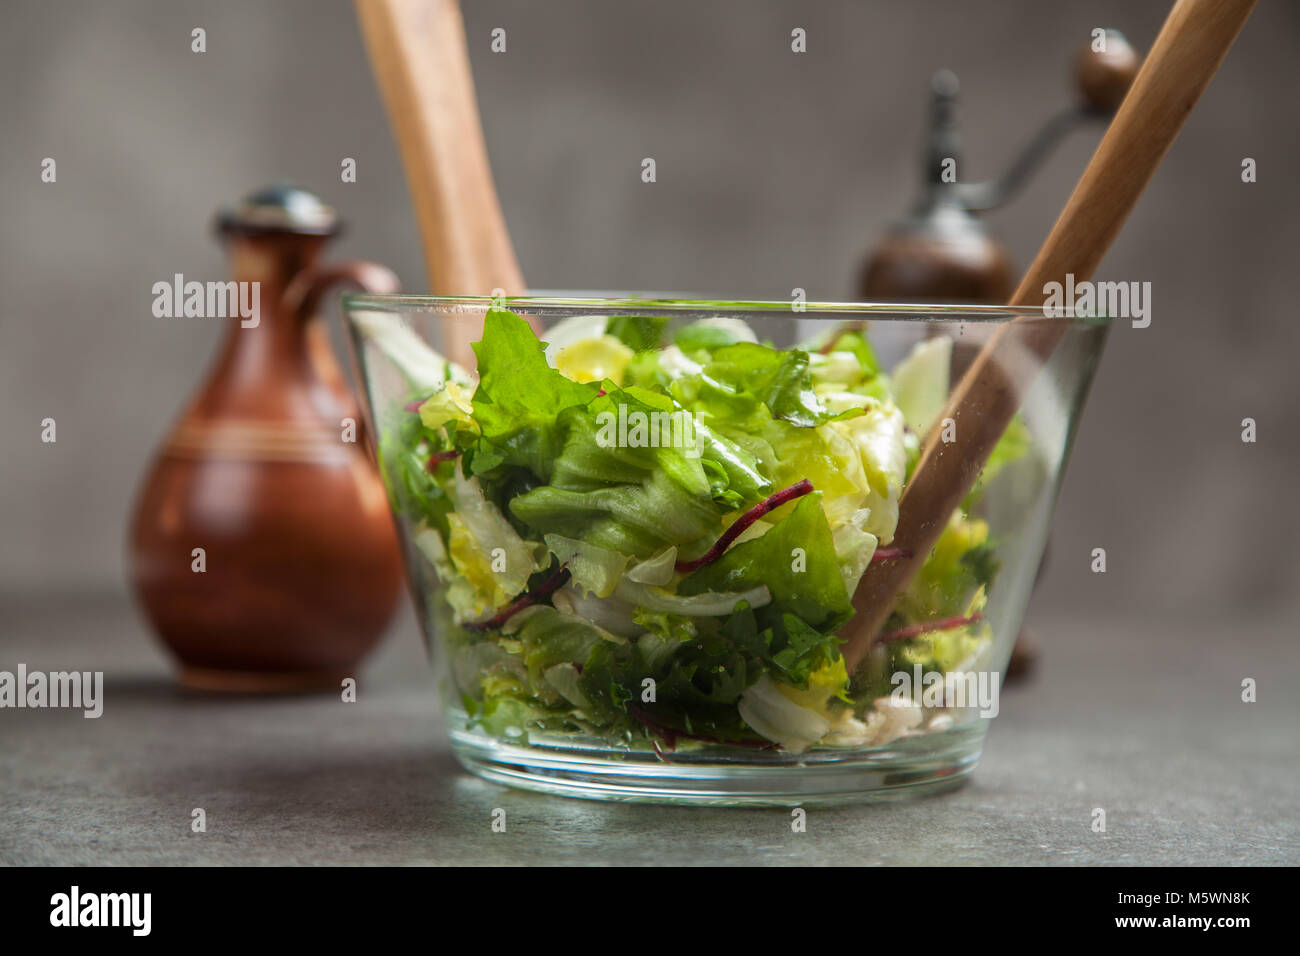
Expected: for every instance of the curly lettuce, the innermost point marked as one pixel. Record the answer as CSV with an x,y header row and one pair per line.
x,y
623,552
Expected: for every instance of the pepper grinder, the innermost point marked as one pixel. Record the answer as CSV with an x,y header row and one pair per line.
x,y
262,549
942,252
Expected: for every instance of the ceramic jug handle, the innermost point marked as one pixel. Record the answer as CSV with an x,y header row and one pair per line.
x,y
303,297
306,291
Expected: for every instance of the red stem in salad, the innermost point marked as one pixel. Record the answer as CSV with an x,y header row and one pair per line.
x,y
527,599
889,554
438,457
925,627
797,490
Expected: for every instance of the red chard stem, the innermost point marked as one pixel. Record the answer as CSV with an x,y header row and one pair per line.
x,y
738,526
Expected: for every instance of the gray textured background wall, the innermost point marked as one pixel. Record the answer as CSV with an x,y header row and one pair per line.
x,y
775,170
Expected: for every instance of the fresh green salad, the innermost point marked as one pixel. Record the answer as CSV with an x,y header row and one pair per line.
x,y
650,536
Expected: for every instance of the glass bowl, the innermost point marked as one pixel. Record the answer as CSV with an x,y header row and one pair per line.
x,y
633,549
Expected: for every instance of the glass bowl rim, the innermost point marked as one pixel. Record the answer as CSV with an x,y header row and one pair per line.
x,y
875,311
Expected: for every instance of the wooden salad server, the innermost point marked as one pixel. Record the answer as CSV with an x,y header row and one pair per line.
x,y
418,52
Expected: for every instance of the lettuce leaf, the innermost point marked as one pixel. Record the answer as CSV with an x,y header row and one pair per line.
x,y
634,519
638,332
705,335
858,345
415,493
961,563
696,685
595,569
549,637
487,553
778,379
879,439
1011,447
921,383
779,719
795,559
741,377
520,397
636,500
700,673
451,405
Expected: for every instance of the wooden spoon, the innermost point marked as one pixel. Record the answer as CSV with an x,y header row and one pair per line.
x,y
418,52
1193,41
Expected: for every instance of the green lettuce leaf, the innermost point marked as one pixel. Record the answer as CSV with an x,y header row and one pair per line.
x,y
520,397
634,500
595,569
638,332
961,563
637,499
705,337
696,685
857,344
741,377
1011,447
921,383
795,559
637,520
414,492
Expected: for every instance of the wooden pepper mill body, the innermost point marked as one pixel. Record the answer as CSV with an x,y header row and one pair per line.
x,y
262,547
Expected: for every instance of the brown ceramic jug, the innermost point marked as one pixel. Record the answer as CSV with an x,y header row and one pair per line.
x,y
262,548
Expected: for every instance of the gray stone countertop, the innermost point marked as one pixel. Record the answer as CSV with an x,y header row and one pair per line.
x,y
1141,718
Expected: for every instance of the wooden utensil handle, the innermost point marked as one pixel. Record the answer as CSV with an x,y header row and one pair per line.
x,y
418,53
1193,41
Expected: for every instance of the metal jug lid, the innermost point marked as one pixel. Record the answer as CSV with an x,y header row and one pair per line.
x,y
281,208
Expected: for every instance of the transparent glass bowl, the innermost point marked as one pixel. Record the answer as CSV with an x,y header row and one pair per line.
x,y
622,606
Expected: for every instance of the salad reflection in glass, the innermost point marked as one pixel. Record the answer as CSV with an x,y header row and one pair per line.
x,y
649,538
